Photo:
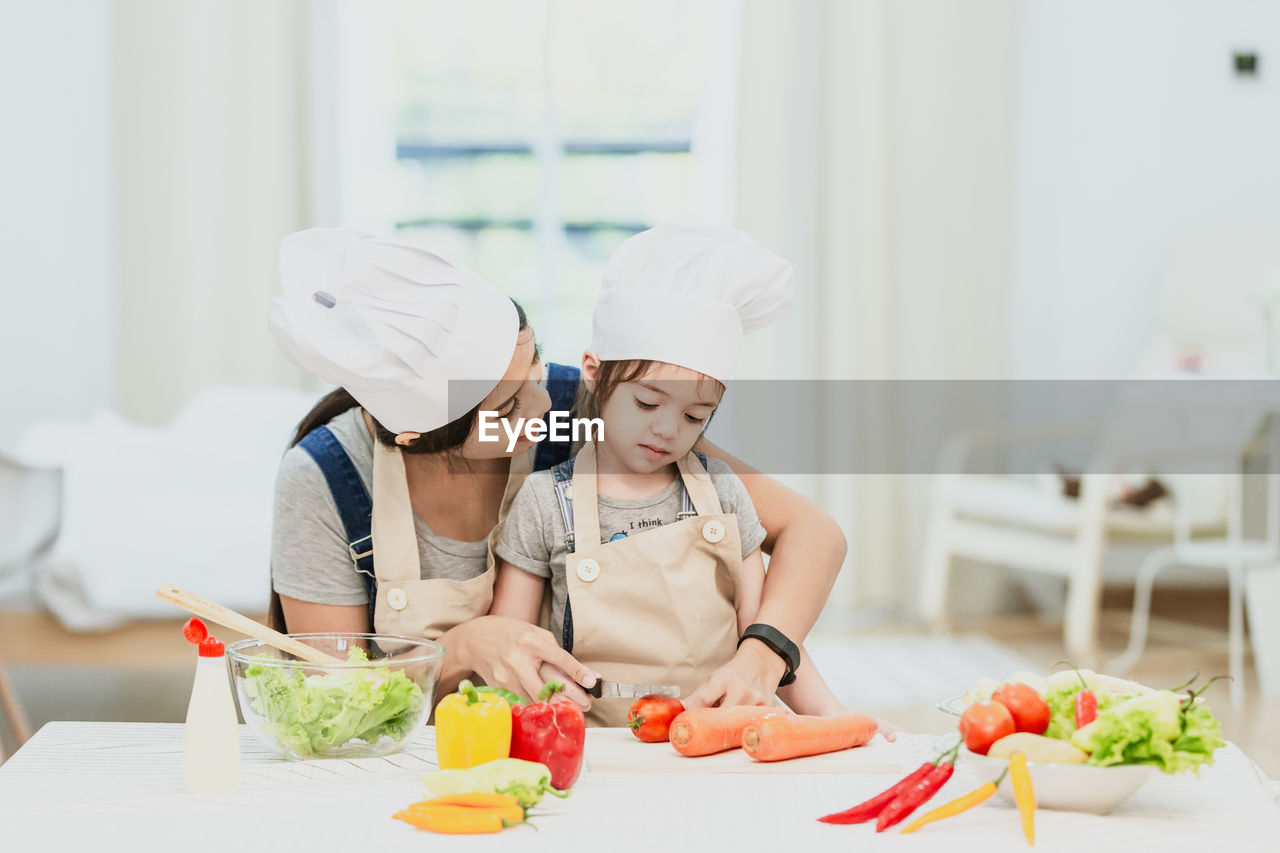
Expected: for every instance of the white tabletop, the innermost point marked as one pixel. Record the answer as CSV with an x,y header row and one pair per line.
x,y
86,786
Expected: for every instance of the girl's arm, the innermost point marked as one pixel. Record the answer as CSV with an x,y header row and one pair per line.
x,y
806,549
517,594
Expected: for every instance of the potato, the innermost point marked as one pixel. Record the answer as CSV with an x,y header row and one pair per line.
x,y
1038,748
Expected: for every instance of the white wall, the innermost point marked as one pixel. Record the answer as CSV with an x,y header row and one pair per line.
x,y
56,235
1131,128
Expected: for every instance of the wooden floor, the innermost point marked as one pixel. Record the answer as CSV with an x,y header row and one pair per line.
x,y
142,671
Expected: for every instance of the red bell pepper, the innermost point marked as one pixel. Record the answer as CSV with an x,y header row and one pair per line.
x,y
550,733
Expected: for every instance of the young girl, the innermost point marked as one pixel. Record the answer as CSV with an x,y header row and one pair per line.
x,y
652,550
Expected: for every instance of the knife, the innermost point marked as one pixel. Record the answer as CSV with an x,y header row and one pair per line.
x,y
625,690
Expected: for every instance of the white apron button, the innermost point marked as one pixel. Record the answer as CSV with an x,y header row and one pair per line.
x,y
588,570
397,599
713,531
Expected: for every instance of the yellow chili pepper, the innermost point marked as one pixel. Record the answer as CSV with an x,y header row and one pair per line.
x,y
1023,795
960,804
471,728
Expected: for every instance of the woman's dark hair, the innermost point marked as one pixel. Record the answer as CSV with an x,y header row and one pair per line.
x,y
451,436
448,437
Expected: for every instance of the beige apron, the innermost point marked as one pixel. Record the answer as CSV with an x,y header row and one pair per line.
x,y
657,607
406,603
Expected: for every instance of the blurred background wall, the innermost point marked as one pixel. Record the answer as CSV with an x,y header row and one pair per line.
x,y
981,190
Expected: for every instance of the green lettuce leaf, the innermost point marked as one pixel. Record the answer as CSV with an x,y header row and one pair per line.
x,y
1152,729
311,715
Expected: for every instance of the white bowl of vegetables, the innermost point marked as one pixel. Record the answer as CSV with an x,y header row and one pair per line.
x,y
1090,740
366,706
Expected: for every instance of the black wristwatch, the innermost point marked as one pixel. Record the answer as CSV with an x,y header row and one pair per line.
x,y
781,646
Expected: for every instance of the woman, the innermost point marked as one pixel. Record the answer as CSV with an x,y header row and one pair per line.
x,y
416,342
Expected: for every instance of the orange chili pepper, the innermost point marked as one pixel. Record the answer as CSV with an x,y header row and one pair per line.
x,y
452,820
507,806
1023,794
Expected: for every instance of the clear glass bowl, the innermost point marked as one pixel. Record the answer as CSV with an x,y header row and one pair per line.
x,y
357,709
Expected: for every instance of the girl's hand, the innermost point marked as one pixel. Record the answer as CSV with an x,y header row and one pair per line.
x,y
508,653
750,678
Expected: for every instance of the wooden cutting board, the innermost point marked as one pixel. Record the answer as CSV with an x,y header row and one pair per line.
x,y
617,750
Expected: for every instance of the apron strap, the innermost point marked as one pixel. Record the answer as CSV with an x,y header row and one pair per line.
x,y
697,483
585,510
562,477
393,530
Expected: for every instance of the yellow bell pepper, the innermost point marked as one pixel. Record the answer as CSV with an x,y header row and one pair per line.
x,y
472,728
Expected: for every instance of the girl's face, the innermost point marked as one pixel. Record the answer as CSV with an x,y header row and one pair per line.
x,y
652,421
518,395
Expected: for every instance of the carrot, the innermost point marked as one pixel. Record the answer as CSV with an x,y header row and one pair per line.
x,y
703,731
792,736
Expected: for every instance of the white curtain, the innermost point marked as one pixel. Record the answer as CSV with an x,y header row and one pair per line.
x,y
874,150
213,108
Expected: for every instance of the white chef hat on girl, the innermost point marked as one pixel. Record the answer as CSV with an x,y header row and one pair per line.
x,y
686,294
417,339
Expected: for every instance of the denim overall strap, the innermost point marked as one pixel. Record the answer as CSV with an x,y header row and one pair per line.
x,y
562,386
352,500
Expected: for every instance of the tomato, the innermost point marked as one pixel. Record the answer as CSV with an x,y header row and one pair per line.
x,y
984,723
650,717
1030,711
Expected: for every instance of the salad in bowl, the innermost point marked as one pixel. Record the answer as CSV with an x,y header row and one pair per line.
x,y
1090,740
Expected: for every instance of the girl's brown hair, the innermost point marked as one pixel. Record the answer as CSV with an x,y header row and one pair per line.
x,y
609,376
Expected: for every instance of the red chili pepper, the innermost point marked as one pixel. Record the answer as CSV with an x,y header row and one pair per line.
x,y
550,733
913,797
863,812
1086,708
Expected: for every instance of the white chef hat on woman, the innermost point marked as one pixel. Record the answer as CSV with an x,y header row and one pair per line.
x,y
417,339
686,294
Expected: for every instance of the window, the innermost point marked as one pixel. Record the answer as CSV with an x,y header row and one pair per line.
x,y
530,138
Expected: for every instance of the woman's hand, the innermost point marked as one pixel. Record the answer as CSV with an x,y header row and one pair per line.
x,y
508,653
750,678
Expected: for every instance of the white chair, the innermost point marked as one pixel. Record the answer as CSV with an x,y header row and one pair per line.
x,y
30,509
1212,318
1234,553
1017,522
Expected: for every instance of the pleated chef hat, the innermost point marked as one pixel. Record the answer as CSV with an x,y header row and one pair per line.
x,y
418,340
686,294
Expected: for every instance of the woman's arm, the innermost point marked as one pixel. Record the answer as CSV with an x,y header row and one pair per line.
x,y
750,587
308,617
807,549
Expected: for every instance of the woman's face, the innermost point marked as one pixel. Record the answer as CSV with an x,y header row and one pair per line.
x,y
518,395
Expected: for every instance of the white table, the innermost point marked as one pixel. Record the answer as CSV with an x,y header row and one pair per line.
x,y
90,786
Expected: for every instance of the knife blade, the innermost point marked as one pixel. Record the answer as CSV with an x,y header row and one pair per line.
x,y
626,690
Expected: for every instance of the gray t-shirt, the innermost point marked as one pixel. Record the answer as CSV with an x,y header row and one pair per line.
x,y
533,537
309,556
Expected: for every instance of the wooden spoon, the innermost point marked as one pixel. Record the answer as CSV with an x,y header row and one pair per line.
x,y
230,619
